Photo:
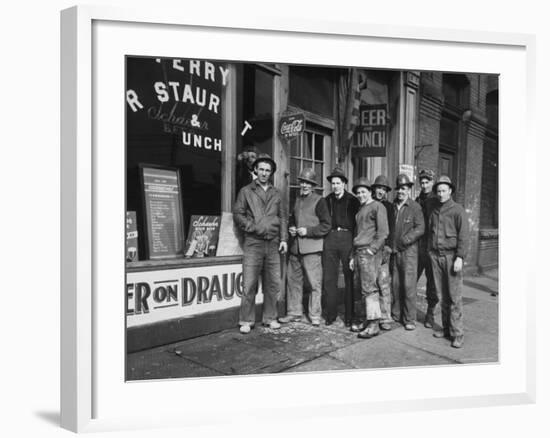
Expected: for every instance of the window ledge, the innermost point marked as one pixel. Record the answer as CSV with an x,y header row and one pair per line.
x,y
154,265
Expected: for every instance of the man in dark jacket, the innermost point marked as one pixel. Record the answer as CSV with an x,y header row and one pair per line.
x,y
308,224
408,228
260,214
447,240
338,247
427,200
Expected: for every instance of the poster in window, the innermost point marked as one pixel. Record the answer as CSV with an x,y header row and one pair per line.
x,y
163,212
131,237
202,240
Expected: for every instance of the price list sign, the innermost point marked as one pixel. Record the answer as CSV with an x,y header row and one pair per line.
x,y
164,214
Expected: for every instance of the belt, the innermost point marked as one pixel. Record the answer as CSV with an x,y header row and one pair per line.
x,y
339,229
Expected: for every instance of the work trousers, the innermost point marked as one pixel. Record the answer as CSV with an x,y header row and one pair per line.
x,y
367,266
404,274
311,266
425,265
337,249
260,258
448,285
383,280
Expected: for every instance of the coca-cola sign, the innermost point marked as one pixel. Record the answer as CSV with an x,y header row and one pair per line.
x,y
291,126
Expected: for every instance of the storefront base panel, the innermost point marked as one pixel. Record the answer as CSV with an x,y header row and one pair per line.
x,y
175,330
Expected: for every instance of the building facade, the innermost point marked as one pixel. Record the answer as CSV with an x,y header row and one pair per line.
x,y
188,123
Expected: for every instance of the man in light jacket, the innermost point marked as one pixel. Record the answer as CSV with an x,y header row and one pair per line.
x,y
259,212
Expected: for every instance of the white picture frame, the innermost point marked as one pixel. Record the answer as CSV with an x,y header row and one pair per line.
x,y
93,397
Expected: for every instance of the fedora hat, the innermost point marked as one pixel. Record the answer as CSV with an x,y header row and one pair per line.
x,y
444,179
337,171
265,158
403,180
361,182
382,181
308,175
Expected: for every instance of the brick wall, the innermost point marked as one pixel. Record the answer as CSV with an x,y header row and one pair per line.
x,y
470,155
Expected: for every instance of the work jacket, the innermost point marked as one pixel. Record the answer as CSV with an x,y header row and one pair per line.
x,y
428,201
448,229
261,214
409,225
391,221
312,213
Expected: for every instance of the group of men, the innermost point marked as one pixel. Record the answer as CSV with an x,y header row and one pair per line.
x,y
388,244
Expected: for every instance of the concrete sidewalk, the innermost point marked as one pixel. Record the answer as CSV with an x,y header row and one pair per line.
x,y
300,347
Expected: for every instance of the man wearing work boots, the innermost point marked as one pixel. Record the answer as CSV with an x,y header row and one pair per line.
x,y
368,244
408,228
427,200
447,239
260,214
338,247
380,189
309,223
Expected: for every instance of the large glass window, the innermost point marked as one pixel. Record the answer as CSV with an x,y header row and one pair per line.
x,y
307,151
255,124
174,120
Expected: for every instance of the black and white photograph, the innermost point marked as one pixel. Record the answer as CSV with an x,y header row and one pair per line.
x,y
287,218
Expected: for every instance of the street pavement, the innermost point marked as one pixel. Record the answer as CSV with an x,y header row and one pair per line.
x,y
299,347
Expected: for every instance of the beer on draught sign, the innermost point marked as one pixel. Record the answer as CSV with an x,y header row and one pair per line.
x,y
370,137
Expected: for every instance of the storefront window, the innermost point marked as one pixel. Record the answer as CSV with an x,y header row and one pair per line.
x,y
307,151
254,115
174,123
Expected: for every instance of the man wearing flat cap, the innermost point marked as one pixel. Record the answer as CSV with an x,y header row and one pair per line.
x,y
308,224
447,241
427,200
259,212
343,207
408,228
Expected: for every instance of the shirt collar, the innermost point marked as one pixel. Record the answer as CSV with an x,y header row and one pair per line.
x,y
407,202
258,185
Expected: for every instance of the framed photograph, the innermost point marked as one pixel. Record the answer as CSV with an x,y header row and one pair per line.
x,y
176,127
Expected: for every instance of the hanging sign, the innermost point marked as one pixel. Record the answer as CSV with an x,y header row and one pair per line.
x,y
292,125
370,137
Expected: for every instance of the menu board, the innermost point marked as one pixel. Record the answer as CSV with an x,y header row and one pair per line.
x,y
163,212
